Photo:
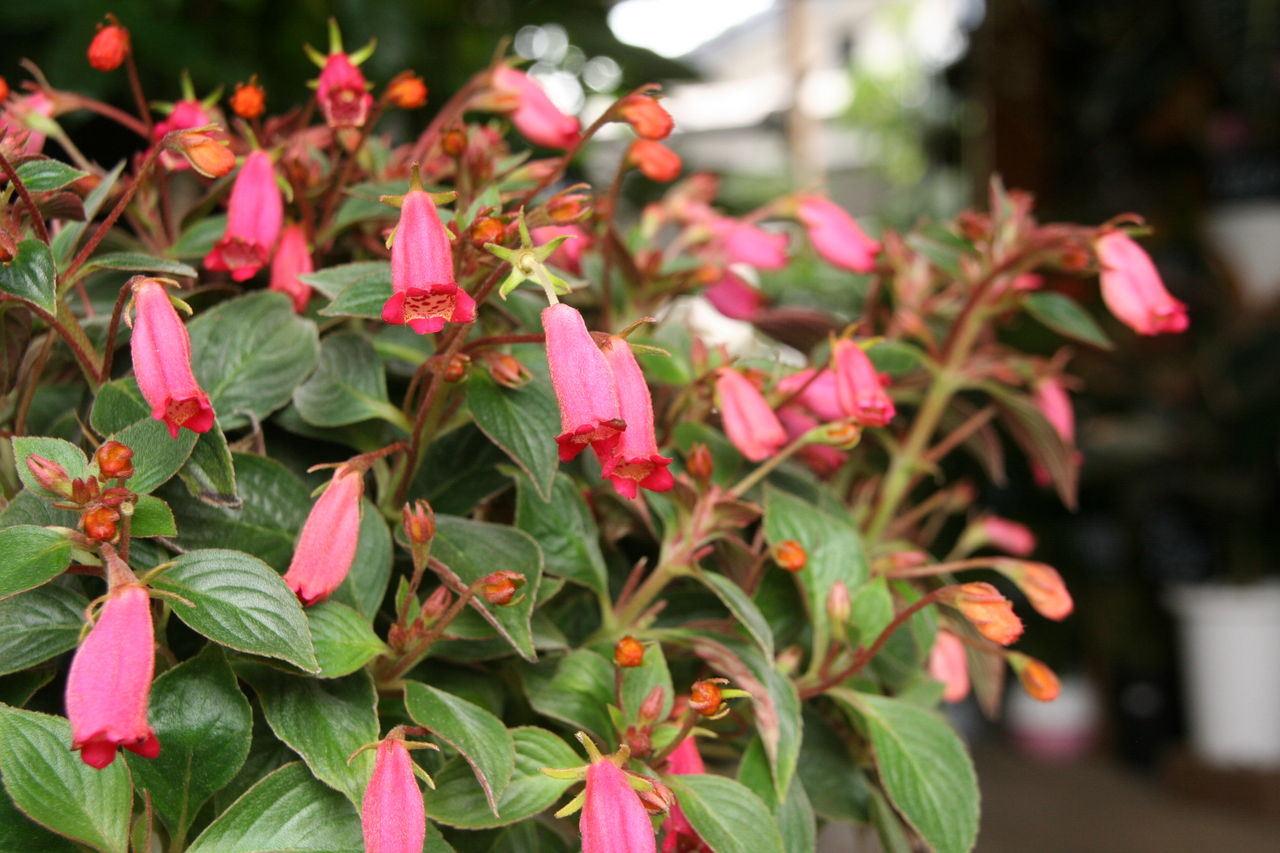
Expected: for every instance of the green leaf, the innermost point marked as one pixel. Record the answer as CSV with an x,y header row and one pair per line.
x,y
833,547
38,624
896,358
366,584
458,801
19,832
240,602
286,811
324,721
138,262
578,692
64,453
199,239
349,385
474,549
156,456
31,556
870,610
42,176
742,608
459,470
893,836
564,529
476,734
523,421
726,814
204,724
364,297
64,242
210,474
53,787
638,681
829,772
31,276
152,517
794,815
250,353
343,639
1065,317
923,766
334,280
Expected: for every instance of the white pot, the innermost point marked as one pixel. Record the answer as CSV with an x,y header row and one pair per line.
x,y
1231,671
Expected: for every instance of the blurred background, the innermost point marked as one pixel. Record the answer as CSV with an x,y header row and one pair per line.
x,y
901,109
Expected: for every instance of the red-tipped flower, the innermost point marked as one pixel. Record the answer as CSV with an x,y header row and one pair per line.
x,y
162,361
656,161
537,119
110,46
584,386
986,609
680,834
646,116
1132,288
341,92
613,818
292,259
329,536
749,422
836,236
425,295
635,463
254,217
858,388
392,814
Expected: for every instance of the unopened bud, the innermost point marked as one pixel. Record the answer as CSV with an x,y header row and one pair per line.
x,y
1041,584
646,116
651,707
506,370
974,226
789,659
50,475
844,435
249,100
699,462
100,523
457,367
567,207
119,497
629,652
838,603
83,491
986,609
407,91
115,460
207,155
790,555
4,90
1037,678
436,604
109,47
454,143
419,522
487,229
659,799
639,741
500,588
705,698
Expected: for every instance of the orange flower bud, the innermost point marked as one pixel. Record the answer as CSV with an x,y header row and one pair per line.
x,y
629,652
658,800
457,367
989,611
704,696
566,208
407,91
646,116
699,463
487,229
100,523
115,460
419,522
655,160
1041,584
249,100
500,588
110,46
4,89
208,155
1037,678
790,555
454,143
506,370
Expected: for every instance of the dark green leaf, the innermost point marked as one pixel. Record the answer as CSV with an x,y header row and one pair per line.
x,y
334,280
53,787
889,829
895,358
794,816
64,242
31,276
578,692
47,175
19,832
199,239
523,421
210,474
1065,317
156,456
38,624
476,734
64,453
726,815
240,602
286,811
743,609
204,725
459,470
138,262
349,385
30,556
830,773
364,297
343,639
564,529
152,517
458,801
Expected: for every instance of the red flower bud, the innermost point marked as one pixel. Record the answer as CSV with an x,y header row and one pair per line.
x,y
704,696
646,116
407,91
207,154
457,368
249,100
639,741
454,143
948,664
1037,678
50,475
699,463
790,555
115,460
651,707
4,90
839,606
487,229
292,260
749,421
83,491
109,47
629,652
500,588
989,611
567,207
656,161
1041,584
162,361
657,800
419,522
436,604
100,523
327,545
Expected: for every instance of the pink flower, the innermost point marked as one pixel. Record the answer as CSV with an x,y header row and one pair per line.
x,y
836,236
292,259
749,422
162,361
680,834
858,387
185,115
1132,288
750,244
1053,401
1009,536
569,255
584,386
823,459
1042,585
947,664
254,216
13,119
109,685
537,119
655,161
425,294
635,462
327,545
613,818
392,815
342,94
734,298
818,396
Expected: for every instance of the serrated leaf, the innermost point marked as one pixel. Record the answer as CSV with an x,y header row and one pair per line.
x,y
458,801
37,624
30,275
333,280
349,385
30,556
523,421
576,690
1065,317
204,724
138,262
564,529
152,517
726,814
66,454
364,297
53,787
209,473
42,176
240,602
742,607
249,353
286,811
323,720
478,736
343,639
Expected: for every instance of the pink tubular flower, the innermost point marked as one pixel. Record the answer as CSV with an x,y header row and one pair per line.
x,y
1053,401
680,834
569,255
329,536
818,396
584,386
425,294
947,664
636,462
185,115
858,388
1042,585
392,815
734,298
1132,288
109,685
750,244
1009,536
292,259
342,94
13,118
836,236
749,422
537,119
162,361
613,818
254,216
